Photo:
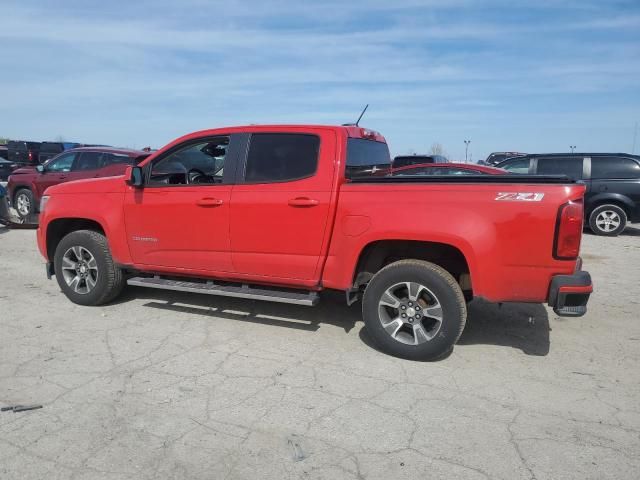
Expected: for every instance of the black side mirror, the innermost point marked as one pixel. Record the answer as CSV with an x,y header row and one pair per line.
x,y
135,177
40,168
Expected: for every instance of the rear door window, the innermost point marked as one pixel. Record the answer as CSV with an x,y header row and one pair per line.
x,y
88,161
116,159
569,166
614,167
366,158
520,165
281,157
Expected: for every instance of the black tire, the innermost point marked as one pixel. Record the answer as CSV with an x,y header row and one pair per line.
x,y
435,281
24,195
109,279
598,220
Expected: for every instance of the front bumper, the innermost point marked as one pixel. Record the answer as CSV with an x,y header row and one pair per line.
x,y
569,294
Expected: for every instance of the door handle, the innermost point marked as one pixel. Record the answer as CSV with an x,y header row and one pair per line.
x,y
62,177
303,202
209,202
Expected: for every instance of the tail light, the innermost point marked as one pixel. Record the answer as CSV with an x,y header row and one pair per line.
x,y
566,245
30,155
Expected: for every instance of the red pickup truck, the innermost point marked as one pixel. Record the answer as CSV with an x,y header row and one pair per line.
x,y
282,212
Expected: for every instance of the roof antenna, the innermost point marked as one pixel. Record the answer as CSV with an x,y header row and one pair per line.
x,y
360,117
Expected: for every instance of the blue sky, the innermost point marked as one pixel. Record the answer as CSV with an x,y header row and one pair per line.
x,y
509,75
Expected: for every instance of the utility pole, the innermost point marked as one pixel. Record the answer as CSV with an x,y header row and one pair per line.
x,y
466,151
572,147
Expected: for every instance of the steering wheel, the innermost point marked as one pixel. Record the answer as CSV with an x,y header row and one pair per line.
x,y
194,174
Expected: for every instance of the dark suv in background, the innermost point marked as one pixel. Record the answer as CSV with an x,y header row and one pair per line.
x,y
613,184
23,152
48,150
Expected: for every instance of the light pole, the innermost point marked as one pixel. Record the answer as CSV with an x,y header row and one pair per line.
x,y
572,147
466,150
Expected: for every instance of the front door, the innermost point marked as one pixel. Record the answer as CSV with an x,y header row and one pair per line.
x,y
279,211
179,220
55,172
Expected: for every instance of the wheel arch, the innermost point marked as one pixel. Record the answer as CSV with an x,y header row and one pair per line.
x,y
57,229
377,254
617,199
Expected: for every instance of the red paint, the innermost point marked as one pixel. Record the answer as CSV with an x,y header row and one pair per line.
x,y
310,233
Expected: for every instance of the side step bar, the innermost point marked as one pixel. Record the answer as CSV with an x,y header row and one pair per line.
x,y
241,291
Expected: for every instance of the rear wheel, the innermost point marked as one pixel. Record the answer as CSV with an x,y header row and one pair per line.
x,y
85,270
23,202
414,309
608,220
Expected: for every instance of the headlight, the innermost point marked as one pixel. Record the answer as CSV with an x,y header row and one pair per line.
x,y
43,202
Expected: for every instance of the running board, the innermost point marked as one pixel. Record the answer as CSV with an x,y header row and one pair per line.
x,y
242,291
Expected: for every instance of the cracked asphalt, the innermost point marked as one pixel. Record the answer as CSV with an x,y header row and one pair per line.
x,y
168,385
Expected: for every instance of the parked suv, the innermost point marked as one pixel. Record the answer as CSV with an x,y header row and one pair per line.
x,y
23,152
26,185
613,184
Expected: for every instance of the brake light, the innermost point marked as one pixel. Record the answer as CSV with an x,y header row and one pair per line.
x,y
30,156
568,231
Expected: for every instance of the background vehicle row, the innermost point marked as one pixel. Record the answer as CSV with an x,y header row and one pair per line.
x,y
613,184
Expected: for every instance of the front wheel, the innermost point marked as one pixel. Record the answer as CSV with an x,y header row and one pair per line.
x,y
85,270
414,309
24,203
608,220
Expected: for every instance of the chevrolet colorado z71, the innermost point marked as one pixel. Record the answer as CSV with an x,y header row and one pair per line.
x,y
282,212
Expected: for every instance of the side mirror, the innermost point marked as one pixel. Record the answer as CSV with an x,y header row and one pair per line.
x,y
134,177
40,168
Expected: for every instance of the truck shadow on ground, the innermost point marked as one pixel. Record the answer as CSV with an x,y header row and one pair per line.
x,y
524,326
521,326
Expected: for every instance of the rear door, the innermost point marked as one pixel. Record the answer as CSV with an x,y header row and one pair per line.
x,y
618,175
280,209
87,165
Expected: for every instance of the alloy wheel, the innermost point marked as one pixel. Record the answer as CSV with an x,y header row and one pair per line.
x,y
608,220
410,313
80,269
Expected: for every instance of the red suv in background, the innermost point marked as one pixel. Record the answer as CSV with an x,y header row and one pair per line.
x,y
26,185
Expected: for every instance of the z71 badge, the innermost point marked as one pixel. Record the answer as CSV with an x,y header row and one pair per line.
x,y
520,196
